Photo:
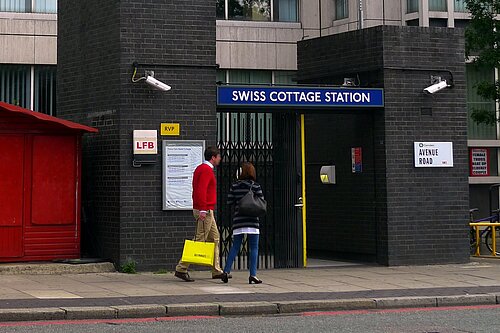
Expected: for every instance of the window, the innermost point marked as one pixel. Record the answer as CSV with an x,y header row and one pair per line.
x,y
15,85
461,6
285,10
438,5
436,22
411,6
250,10
45,89
258,10
28,6
45,6
285,77
221,9
474,75
413,23
16,82
341,9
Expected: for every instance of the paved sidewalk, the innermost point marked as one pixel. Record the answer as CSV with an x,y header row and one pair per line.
x,y
117,295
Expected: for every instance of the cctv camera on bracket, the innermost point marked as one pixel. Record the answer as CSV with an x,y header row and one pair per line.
x,y
437,85
156,84
150,79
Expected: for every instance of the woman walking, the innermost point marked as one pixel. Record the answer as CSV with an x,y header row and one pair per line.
x,y
244,225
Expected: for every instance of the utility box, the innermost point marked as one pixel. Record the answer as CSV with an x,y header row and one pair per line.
x,y
40,185
327,174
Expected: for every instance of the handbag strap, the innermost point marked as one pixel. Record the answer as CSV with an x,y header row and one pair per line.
x,y
251,185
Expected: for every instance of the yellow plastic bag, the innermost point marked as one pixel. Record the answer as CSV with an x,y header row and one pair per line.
x,y
199,253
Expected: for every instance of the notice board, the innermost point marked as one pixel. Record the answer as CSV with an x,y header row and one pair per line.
x,y
180,158
479,162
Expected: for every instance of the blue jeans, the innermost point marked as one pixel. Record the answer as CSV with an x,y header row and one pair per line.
x,y
253,242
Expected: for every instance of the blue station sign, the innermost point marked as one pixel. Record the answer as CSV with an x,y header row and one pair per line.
x,y
299,96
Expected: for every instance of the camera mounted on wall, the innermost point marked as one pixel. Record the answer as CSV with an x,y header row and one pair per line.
x,y
438,84
150,79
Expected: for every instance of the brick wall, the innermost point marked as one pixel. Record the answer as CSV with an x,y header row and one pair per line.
x,y
88,88
421,213
177,41
427,207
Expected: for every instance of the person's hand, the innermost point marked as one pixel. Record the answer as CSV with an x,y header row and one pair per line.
x,y
203,216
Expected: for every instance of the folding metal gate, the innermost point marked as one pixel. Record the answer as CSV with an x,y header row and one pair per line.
x,y
269,141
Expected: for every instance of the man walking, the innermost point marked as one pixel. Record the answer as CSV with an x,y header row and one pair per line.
x,y
204,200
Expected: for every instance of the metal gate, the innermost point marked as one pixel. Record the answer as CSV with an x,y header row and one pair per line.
x,y
269,142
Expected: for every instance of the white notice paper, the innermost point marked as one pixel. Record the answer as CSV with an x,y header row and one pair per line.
x,y
180,158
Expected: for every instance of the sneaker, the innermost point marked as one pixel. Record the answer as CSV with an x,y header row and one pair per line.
x,y
183,276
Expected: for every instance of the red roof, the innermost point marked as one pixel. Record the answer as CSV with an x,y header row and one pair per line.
x,y
4,107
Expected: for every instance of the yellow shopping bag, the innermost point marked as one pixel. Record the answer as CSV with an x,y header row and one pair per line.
x,y
199,253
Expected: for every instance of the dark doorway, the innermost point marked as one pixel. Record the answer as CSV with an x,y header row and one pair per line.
x,y
341,217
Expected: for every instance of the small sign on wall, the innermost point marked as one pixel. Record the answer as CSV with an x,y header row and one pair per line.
x,y
479,162
145,142
433,154
357,160
171,129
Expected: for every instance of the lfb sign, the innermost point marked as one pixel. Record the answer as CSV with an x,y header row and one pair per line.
x,y
145,142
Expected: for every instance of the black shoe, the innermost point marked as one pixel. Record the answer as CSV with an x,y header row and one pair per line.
x,y
225,277
254,279
219,276
183,276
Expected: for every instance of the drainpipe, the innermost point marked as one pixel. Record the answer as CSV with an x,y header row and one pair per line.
x,y
320,18
361,25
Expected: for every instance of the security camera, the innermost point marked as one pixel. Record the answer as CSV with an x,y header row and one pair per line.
x,y
436,87
157,84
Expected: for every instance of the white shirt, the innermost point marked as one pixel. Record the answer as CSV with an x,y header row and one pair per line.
x,y
246,230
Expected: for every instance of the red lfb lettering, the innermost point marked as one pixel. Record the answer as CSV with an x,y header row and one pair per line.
x,y
145,145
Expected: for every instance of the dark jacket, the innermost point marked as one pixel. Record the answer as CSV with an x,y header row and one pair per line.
x,y
238,191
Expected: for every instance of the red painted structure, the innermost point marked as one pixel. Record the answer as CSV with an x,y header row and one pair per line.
x,y
40,162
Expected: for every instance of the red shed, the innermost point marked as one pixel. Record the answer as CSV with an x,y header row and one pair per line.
x,y
40,176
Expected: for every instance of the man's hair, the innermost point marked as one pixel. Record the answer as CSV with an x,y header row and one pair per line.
x,y
210,152
247,171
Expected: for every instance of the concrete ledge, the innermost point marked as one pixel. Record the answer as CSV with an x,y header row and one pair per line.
x,y
325,305
405,302
90,312
55,268
466,300
247,308
31,314
140,311
193,309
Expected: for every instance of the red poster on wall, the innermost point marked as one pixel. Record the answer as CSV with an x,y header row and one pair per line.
x,y
479,162
357,160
